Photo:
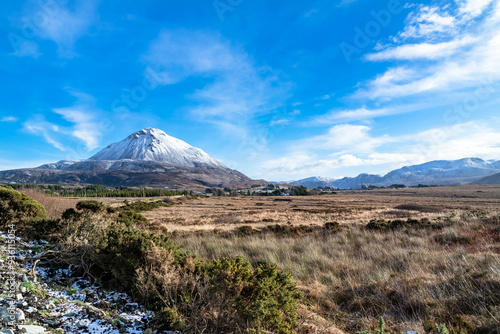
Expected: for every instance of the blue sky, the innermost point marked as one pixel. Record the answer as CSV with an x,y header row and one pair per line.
x,y
279,90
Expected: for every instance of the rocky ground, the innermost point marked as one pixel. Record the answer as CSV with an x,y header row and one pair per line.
x,y
49,300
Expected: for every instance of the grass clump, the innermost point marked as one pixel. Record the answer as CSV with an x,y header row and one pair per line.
x,y
381,224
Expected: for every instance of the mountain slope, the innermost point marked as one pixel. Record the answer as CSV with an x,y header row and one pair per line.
x,y
493,179
148,157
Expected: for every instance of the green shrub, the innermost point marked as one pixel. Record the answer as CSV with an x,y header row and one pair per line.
x,y
130,218
142,206
71,215
90,206
18,207
263,299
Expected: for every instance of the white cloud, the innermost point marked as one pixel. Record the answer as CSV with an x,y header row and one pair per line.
x,y
473,8
429,22
85,127
464,62
338,116
343,139
9,119
422,50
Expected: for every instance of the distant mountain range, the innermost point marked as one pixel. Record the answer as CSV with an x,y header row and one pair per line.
x,y
439,172
148,157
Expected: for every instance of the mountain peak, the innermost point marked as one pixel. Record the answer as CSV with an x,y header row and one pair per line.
x,y
151,144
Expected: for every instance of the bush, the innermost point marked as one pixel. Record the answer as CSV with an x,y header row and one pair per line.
x,y
130,218
90,206
222,296
17,207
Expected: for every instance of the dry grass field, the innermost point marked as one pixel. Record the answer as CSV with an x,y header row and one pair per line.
x,y
349,207
416,256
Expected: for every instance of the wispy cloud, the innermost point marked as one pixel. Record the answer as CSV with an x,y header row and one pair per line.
x,y
37,125
10,119
422,50
60,23
84,126
233,85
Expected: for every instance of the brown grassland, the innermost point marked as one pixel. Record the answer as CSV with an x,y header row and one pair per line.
x,y
416,256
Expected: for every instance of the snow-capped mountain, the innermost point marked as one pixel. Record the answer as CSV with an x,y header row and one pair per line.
x,y
315,182
148,157
155,145
439,172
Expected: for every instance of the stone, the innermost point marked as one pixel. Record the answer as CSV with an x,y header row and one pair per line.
x,y
12,315
24,278
50,306
52,323
7,331
31,310
148,331
31,329
82,324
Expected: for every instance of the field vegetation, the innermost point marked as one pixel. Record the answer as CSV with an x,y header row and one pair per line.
x,y
423,259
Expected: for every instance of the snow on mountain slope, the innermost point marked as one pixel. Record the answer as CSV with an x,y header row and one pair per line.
x,y
155,145
314,182
63,164
357,182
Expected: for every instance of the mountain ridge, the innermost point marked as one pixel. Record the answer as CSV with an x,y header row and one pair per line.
x,y
436,172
